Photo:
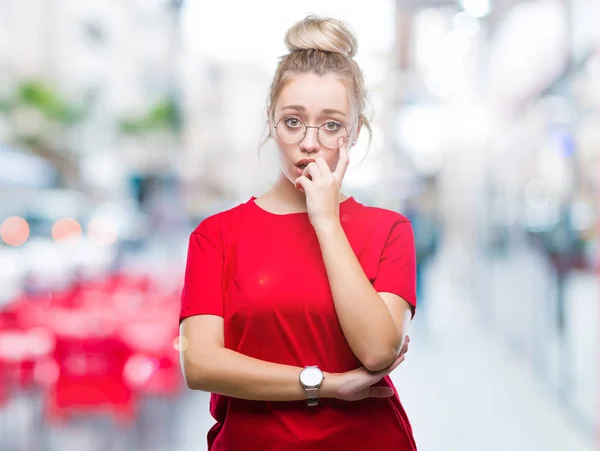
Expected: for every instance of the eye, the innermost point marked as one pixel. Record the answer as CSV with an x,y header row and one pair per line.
x,y
292,122
331,126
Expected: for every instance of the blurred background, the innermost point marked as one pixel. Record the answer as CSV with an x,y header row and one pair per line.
x,y
124,123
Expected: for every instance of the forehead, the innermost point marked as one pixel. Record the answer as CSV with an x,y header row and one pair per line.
x,y
315,93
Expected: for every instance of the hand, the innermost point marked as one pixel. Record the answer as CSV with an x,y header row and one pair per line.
x,y
322,188
358,384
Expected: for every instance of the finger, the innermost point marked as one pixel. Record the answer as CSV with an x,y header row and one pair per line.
x,y
312,171
302,183
342,164
404,350
392,367
323,166
405,345
380,392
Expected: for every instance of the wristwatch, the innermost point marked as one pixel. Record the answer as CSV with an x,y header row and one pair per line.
x,y
311,378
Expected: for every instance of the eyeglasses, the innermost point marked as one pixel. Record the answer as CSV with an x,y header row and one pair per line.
x,y
292,130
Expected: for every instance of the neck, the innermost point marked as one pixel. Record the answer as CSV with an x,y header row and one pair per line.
x,y
285,192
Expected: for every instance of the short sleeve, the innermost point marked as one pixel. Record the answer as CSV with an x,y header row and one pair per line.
x,y
397,264
202,289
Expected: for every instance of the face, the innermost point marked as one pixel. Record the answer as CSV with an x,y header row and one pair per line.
x,y
314,101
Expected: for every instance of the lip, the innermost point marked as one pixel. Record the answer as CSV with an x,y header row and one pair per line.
x,y
306,161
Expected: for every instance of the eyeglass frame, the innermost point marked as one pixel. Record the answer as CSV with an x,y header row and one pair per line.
x,y
306,127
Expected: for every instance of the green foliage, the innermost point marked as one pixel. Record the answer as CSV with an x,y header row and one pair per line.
x,y
164,116
49,103
41,96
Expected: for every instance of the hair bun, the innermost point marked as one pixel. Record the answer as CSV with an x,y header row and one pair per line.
x,y
321,33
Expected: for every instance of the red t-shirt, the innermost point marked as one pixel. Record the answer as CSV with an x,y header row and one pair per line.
x,y
265,275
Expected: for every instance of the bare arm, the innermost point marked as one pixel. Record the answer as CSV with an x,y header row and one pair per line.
x,y
373,323
209,366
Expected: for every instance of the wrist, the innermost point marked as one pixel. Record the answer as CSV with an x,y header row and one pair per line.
x,y
327,227
329,387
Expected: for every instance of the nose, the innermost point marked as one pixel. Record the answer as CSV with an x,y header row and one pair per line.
x,y
310,142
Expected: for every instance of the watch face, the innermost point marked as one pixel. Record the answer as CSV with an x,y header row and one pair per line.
x,y
311,377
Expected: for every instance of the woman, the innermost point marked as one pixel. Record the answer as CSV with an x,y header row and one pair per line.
x,y
296,303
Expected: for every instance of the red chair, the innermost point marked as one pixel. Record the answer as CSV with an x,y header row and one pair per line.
x,y
90,378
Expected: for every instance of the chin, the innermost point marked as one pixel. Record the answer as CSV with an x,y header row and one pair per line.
x,y
288,175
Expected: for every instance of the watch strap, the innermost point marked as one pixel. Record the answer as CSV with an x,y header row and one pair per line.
x,y
312,396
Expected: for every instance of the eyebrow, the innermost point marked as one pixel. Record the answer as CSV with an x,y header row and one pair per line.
x,y
324,111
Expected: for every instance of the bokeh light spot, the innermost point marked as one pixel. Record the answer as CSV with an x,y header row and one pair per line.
x,y
14,231
66,229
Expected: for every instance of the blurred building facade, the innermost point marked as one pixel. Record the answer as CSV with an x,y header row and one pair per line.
x,y
499,102
109,63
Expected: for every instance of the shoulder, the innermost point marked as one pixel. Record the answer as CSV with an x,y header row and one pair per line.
x,y
219,224
382,216
370,229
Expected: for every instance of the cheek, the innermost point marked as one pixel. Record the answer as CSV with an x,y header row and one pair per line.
x,y
286,151
332,160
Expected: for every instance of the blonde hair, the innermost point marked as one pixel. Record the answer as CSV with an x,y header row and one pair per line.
x,y
321,45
